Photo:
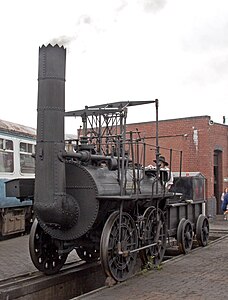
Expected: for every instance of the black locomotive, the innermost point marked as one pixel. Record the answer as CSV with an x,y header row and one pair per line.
x,y
94,194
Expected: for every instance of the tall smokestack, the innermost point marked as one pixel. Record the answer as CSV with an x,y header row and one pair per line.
x,y
51,204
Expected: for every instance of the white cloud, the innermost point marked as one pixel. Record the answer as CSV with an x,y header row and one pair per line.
x,y
175,51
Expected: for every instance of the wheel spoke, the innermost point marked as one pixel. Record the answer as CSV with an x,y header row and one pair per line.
x,y
117,265
88,254
155,253
185,236
44,251
202,230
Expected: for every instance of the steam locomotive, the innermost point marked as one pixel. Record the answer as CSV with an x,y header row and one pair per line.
x,y
94,194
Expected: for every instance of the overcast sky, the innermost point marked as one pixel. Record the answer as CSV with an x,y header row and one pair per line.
x,y
119,50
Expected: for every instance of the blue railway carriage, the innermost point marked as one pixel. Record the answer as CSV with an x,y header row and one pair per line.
x,y
17,145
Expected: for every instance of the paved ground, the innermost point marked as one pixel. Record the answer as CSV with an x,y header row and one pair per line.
x,y
202,274
15,258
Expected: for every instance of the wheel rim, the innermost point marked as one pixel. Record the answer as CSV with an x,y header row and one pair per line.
x,y
118,266
202,230
179,235
88,254
185,236
44,250
153,255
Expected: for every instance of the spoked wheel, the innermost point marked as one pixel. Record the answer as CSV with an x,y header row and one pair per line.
x,y
185,236
116,243
202,230
179,234
154,231
44,250
88,254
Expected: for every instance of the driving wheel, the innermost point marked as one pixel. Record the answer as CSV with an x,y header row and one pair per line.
x,y
44,250
154,231
88,254
119,237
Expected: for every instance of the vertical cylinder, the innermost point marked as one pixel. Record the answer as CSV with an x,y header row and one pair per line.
x,y
50,194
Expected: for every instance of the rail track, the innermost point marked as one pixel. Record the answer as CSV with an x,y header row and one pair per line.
x,y
75,279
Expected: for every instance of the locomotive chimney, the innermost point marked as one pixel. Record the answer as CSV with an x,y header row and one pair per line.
x,y
51,205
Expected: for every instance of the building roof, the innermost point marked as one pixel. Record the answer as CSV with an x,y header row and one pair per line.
x,y
17,129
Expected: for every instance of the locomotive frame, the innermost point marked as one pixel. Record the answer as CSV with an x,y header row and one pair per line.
x,y
94,194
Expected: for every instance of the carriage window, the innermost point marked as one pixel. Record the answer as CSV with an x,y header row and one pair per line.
x,y
6,156
27,162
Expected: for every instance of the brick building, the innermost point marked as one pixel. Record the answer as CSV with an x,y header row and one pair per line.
x,y
204,145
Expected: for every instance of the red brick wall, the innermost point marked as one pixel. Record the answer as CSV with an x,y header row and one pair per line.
x,y
196,139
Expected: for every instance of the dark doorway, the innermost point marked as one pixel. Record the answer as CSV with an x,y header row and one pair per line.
x,y
218,179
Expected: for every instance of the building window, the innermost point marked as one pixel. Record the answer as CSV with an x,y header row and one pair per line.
x,y
27,161
6,156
